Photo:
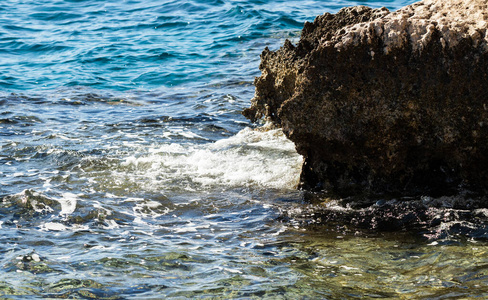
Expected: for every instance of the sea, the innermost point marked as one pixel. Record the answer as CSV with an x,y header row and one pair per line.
x,y
127,170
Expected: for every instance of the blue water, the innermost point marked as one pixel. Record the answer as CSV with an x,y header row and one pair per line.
x,y
128,172
142,45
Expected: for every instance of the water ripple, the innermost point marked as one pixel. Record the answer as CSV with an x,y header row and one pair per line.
x,y
109,43
128,172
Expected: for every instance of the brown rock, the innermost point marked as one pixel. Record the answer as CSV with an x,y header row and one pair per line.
x,y
383,101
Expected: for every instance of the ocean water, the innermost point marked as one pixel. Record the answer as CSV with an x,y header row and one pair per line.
x,y
128,172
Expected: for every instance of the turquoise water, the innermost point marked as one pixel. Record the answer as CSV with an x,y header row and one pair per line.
x,y
142,45
128,172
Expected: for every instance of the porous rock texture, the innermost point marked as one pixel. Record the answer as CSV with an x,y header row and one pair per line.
x,y
385,102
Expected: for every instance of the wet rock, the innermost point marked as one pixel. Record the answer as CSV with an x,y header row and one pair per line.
x,y
446,218
385,102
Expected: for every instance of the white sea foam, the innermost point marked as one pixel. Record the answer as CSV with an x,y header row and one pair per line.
x,y
68,203
147,208
52,226
55,226
250,158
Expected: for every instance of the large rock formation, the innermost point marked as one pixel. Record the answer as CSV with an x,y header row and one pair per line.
x,y
385,101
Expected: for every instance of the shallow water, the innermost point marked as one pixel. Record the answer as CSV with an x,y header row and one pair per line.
x,y
128,172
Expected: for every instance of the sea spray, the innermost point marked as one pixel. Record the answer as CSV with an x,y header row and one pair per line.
x,y
250,158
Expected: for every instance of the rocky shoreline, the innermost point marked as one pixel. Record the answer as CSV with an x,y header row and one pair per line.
x,y
385,102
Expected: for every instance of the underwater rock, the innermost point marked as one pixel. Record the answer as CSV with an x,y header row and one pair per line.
x,y
385,102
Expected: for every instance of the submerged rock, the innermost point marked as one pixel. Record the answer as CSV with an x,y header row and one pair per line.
x,y
385,102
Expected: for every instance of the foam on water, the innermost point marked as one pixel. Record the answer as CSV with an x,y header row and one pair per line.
x,y
68,203
250,158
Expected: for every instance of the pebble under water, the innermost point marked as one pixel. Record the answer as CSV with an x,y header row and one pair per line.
x,y
128,172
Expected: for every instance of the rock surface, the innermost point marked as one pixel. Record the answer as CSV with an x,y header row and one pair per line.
x,y
385,102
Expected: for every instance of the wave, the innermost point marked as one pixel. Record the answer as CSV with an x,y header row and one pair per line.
x,y
250,158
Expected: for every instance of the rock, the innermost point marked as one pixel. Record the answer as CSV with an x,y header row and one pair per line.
x,y
385,102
